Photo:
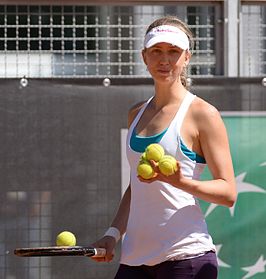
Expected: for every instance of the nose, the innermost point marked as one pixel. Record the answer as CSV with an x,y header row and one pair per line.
x,y
164,59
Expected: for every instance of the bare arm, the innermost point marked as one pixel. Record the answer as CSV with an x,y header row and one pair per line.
x,y
215,146
119,222
213,141
121,217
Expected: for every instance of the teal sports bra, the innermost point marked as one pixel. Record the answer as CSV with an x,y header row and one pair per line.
x,y
139,144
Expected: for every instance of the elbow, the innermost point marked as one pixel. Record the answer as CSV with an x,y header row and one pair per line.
x,y
230,195
231,199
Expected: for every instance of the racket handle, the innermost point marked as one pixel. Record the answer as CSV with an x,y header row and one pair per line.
x,y
99,252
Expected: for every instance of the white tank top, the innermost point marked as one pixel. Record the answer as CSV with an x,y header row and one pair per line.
x,y
165,223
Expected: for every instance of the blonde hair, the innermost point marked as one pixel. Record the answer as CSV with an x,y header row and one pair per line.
x,y
174,21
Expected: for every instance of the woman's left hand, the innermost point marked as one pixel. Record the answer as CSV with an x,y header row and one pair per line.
x,y
173,179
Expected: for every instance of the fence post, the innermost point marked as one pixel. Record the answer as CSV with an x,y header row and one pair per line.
x,y
231,38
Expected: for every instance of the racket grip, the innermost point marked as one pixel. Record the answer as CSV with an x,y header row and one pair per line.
x,y
99,252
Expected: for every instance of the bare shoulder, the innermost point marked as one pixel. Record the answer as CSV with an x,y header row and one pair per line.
x,y
133,111
204,113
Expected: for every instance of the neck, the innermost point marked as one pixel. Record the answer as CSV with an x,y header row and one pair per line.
x,y
166,93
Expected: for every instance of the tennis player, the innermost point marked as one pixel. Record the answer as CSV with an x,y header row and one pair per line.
x,y
166,235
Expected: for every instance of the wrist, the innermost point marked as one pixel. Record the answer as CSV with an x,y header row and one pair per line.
x,y
114,232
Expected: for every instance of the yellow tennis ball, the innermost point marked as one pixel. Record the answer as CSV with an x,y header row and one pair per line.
x,y
66,239
154,152
145,170
168,165
143,157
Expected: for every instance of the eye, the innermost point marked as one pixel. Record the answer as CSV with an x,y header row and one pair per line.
x,y
175,50
155,50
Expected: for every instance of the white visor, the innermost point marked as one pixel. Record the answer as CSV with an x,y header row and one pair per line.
x,y
166,34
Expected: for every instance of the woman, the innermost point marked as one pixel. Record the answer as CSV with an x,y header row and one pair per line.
x,y
165,232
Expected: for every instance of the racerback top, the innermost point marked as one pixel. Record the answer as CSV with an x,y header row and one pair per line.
x,y
165,223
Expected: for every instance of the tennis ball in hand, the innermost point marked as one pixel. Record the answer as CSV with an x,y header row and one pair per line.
x,y
143,157
145,170
168,165
66,239
154,152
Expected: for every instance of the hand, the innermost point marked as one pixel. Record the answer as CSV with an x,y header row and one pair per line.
x,y
107,242
174,179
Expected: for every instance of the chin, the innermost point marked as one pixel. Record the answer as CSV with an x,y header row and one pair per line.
x,y
164,79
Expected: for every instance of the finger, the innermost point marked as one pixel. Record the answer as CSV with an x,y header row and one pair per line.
x,y
154,165
144,180
109,258
98,259
148,180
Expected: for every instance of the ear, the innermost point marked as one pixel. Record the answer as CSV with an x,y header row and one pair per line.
x,y
187,57
144,56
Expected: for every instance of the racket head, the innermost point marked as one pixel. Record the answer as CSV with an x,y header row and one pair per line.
x,y
60,251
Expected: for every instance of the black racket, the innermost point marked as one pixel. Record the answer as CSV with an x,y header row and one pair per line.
x,y
60,251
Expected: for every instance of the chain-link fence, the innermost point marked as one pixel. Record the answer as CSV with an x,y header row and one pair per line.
x,y
95,41
253,41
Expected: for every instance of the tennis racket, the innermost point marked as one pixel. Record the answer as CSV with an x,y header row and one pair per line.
x,y
60,251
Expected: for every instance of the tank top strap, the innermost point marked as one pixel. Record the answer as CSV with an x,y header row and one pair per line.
x,y
136,119
178,120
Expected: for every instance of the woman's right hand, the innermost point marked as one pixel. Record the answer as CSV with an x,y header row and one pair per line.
x,y
107,242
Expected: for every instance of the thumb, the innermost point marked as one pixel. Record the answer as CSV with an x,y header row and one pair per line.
x,y
110,248
154,165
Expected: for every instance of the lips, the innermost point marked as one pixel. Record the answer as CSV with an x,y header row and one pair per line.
x,y
163,71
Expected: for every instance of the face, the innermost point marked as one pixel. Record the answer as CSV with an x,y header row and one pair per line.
x,y
165,62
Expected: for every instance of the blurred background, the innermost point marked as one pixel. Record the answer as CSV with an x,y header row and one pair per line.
x,y
69,72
